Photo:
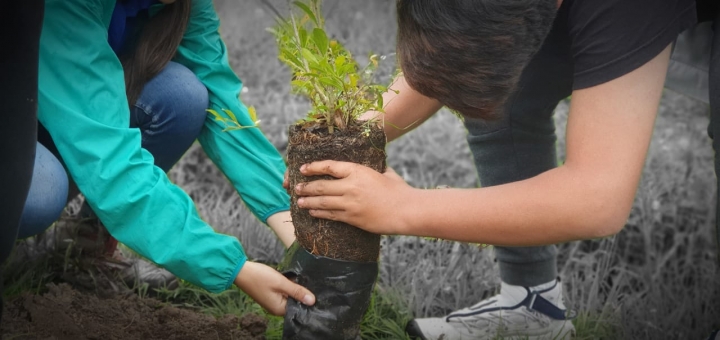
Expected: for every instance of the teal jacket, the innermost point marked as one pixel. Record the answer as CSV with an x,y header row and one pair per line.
x,y
82,104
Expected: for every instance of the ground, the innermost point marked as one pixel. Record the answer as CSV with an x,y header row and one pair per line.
x,y
63,313
657,279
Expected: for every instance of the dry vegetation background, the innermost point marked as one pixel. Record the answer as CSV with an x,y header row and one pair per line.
x,y
657,279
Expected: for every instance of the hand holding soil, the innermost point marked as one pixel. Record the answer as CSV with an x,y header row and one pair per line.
x,y
360,196
270,289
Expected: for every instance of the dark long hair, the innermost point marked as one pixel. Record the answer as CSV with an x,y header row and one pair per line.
x,y
155,47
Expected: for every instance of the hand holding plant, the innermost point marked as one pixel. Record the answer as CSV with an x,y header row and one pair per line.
x,y
270,289
377,203
336,260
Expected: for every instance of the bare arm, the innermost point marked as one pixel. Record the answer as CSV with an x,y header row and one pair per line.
x,y
281,224
404,110
590,196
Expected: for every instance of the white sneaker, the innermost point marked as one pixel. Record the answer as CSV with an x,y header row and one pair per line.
x,y
517,312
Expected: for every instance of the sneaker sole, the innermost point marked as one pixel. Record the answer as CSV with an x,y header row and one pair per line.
x,y
413,331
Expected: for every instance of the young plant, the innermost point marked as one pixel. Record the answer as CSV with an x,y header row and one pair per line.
x,y
324,71
337,261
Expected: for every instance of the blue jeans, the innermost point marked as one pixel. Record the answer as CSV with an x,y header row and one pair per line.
x,y
47,196
170,114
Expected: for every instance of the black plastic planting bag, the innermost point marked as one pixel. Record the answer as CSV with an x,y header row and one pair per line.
x,y
342,290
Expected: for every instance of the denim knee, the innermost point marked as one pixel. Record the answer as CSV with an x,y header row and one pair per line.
x,y
174,101
47,196
170,113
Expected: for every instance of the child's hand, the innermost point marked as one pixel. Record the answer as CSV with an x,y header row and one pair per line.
x,y
270,289
359,196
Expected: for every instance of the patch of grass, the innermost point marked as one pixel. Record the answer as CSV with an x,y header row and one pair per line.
x,y
597,325
30,278
232,301
385,319
386,316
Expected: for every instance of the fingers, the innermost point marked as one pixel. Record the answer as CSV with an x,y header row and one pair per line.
x,y
297,292
332,168
333,215
287,289
322,188
270,289
321,202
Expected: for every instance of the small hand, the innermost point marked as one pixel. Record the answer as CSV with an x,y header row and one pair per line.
x,y
360,196
270,289
286,181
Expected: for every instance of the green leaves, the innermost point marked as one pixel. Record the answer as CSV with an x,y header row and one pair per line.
x,y
332,82
291,60
231,122
339,62
321,40
323,70
305,8
309,56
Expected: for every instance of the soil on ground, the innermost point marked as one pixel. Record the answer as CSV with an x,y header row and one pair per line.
x,y
309,142
64,313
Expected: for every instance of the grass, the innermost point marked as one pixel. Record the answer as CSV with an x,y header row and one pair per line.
x,y
384,319
657,279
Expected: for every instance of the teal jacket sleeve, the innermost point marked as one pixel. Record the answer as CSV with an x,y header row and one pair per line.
x,y
83,105
246,157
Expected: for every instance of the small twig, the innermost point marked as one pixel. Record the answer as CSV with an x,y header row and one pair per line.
x,y
131,322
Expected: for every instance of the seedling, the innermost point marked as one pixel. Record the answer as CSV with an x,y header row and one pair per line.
x,y
339,90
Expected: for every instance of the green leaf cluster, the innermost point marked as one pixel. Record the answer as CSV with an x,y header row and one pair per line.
x,y
231,122
339,90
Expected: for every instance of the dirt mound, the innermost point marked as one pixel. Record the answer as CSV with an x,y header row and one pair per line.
x,y
64,313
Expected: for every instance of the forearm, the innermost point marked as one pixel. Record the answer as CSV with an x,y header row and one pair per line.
x,y
608,136
251,163
281,224
557,206
405,109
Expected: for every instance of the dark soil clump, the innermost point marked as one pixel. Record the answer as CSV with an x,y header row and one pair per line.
x,y
309,142
64,314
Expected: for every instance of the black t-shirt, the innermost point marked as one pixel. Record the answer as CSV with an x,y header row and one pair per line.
x,y
610,38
